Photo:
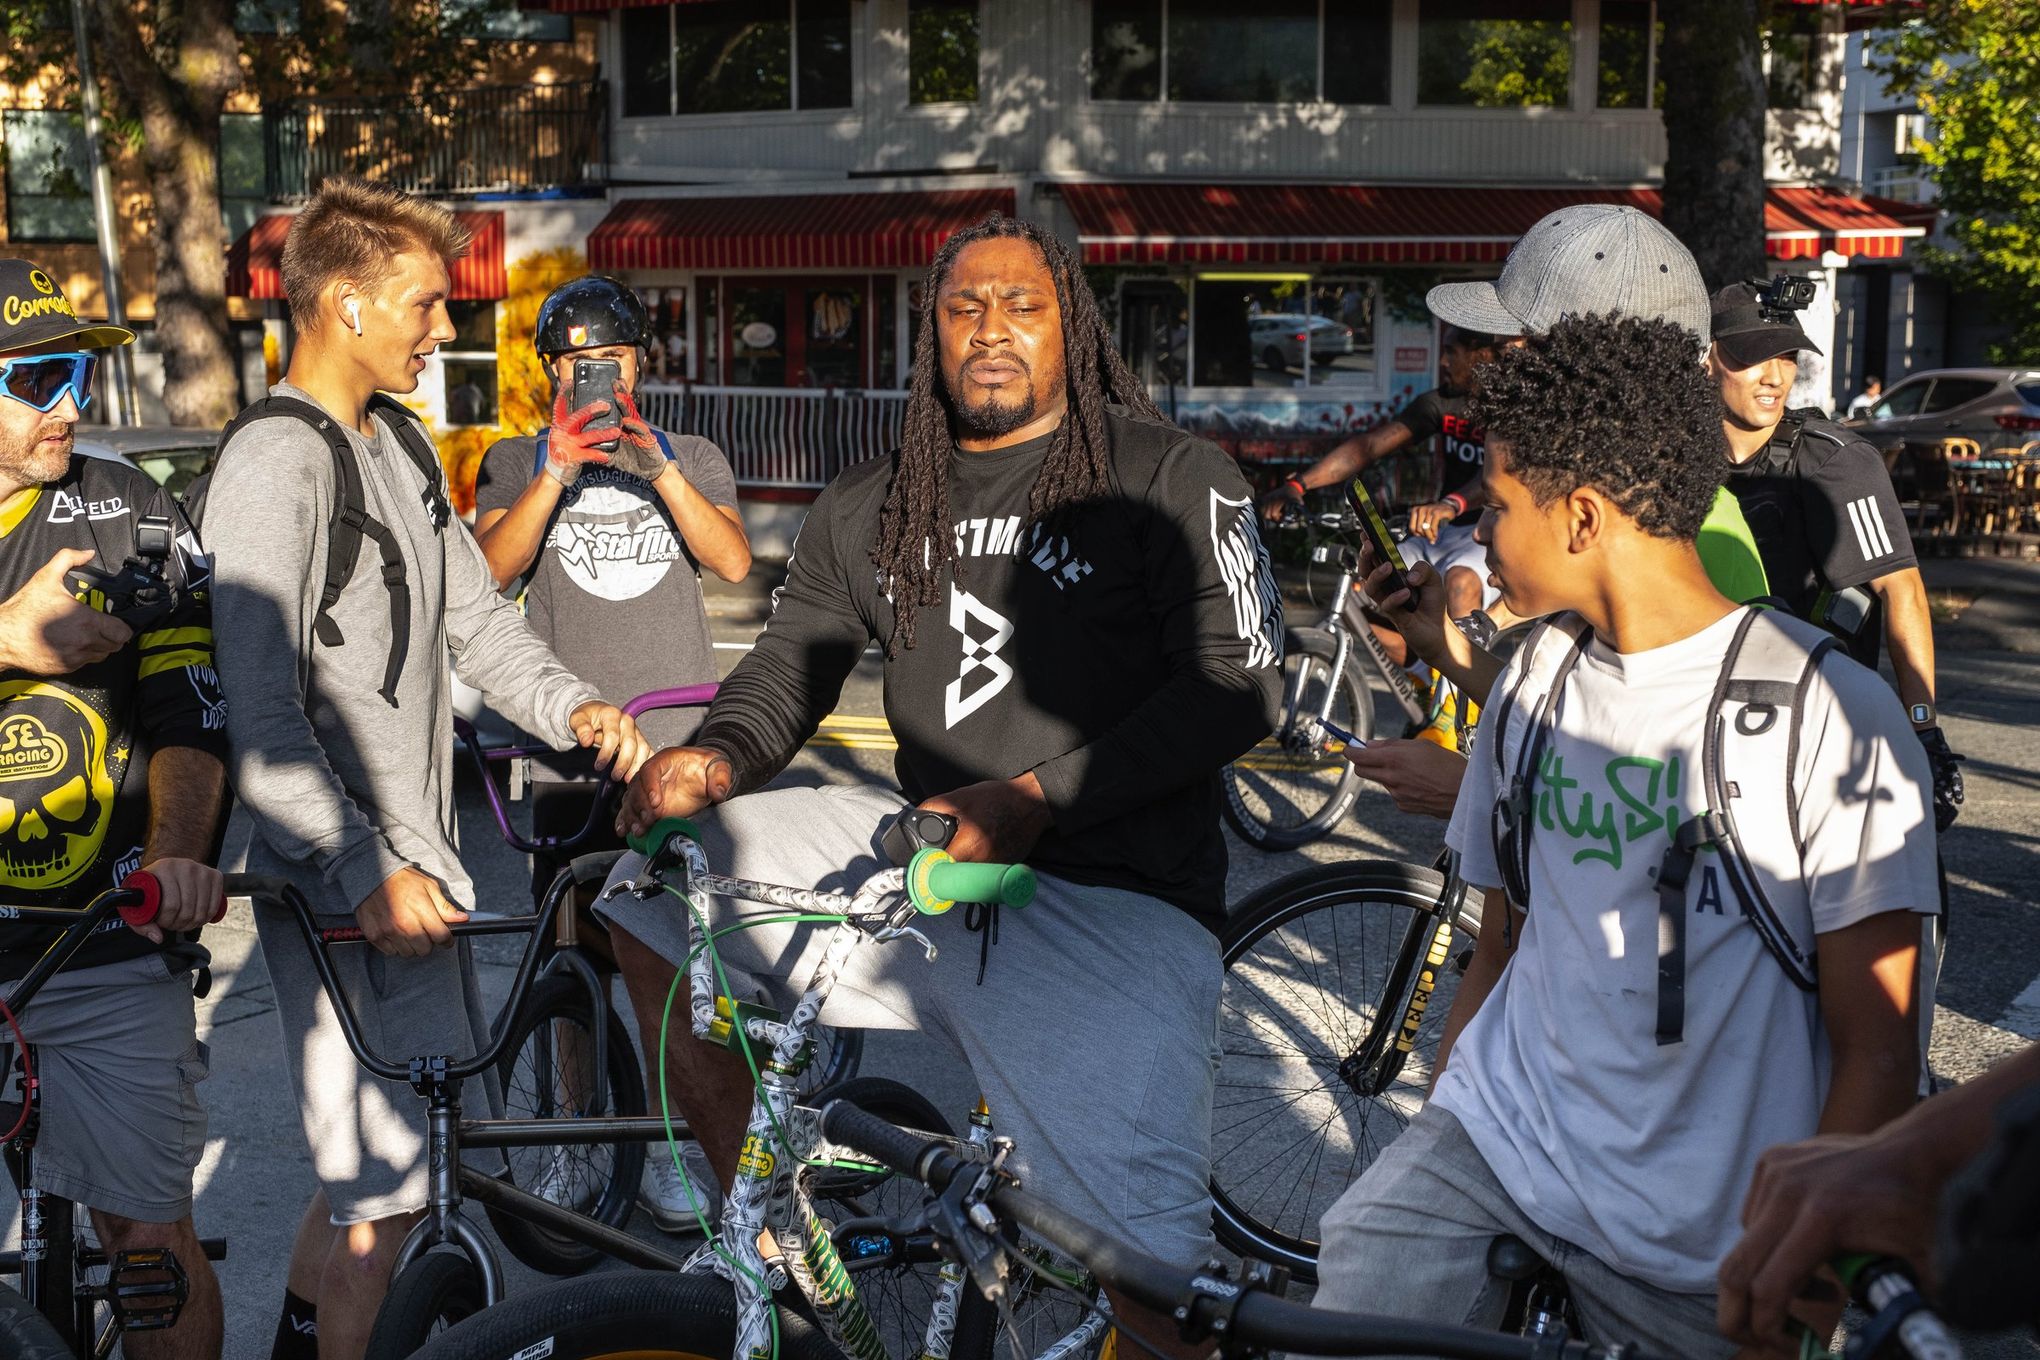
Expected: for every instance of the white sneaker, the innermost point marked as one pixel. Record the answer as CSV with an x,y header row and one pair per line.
x,y
567,1180
665,1196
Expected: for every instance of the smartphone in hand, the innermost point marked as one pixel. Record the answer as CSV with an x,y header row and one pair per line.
x,y
1375,528
595,381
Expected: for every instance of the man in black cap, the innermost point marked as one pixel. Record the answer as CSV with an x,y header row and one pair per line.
x,y
115,732
1820,504
607,523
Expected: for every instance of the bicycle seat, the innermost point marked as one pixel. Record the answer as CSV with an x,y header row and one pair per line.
x,y
1510,1258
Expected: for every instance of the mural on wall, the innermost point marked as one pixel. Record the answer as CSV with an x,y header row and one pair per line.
x,y
1271,436
524,396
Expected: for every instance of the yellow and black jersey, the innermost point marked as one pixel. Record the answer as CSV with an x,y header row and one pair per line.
x,y
74,748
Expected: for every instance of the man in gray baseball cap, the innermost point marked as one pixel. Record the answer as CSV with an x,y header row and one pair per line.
x,y
1590,258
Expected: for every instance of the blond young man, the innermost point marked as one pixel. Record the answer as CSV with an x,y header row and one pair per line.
x,y
340,745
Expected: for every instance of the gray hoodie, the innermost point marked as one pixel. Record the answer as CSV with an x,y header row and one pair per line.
x,y
343,789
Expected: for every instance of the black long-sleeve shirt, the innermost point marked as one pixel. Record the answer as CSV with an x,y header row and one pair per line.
x,y
1124,660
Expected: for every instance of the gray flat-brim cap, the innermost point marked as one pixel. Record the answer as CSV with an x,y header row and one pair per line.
x,y
1591,258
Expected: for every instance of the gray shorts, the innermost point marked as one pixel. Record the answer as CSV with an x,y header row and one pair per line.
x,y
367,1135
1455,548
1410,1239
118,1057
1094,1037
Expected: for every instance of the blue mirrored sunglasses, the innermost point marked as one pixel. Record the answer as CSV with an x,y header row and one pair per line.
x,y
41,380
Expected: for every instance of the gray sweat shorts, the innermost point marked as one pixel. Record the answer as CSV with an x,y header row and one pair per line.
x,y
367,1135
1410,1240
1094,1037
1455,548
118,1056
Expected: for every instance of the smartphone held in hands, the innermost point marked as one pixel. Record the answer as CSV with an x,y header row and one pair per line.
x,y
595,381
1375,528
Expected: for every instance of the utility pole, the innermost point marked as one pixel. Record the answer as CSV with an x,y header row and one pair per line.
x,y
121,359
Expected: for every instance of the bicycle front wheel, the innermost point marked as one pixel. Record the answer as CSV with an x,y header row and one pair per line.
x,y
1296,784
1324,970
641,1314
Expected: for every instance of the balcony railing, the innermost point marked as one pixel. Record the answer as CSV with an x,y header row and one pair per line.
x,y
489,139
1902,183
793,437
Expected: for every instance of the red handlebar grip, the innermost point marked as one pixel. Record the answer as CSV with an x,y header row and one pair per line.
x,y
144,911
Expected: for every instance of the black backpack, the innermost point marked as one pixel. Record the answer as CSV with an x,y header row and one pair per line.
x,y
351,521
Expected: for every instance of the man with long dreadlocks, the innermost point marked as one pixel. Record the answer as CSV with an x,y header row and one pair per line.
x,y
1080,630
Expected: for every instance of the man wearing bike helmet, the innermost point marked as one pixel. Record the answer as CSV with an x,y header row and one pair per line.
x,y
112,733
607,522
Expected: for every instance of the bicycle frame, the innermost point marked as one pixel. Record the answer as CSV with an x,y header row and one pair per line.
x,y
1412,981
768,1197
51,1258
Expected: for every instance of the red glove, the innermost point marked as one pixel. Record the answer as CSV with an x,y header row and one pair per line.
x,y
571,444
637,451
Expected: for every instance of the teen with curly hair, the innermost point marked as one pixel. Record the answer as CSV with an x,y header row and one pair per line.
x,y
1567,1111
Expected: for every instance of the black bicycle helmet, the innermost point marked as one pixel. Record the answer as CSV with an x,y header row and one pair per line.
x,y
589,313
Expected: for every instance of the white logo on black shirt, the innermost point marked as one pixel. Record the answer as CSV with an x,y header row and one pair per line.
x,y
64,508
1869,527
1249,579
979,654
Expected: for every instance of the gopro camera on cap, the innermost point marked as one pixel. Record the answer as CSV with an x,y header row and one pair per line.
x,y
1779,298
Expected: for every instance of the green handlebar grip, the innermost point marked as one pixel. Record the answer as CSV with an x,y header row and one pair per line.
x,y
665,829
936,882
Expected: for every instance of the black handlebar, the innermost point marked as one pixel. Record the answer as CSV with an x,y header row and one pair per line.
x,y
1213,1305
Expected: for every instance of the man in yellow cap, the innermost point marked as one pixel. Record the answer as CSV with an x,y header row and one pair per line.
x,y
116,729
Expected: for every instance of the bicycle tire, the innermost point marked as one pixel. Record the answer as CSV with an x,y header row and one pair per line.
x,y
645,1314
26,1334
597,1179
1307,960
437,1290
1296,784
899,1297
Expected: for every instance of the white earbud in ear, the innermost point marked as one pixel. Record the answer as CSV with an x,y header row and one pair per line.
x,y
354,313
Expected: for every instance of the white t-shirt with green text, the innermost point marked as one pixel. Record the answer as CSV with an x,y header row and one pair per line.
x,y
1637,1152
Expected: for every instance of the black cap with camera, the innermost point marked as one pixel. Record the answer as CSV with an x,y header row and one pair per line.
x,y
590,313
1759,320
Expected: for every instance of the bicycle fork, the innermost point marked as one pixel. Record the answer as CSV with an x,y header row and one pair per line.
x,y
1369,1069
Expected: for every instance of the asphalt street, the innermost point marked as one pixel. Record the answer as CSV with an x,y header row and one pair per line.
x,y
255,1177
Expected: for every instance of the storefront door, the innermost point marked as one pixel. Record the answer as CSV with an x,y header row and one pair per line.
x,y
812,332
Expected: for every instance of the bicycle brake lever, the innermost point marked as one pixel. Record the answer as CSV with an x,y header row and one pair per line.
x,y
892,932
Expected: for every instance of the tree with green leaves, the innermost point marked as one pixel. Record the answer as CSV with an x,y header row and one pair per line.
x,y
166,70
1973,68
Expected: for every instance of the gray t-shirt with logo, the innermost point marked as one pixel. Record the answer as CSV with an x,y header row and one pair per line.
x,y
614,588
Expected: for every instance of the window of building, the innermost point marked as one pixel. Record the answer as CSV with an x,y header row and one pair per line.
x,y
942,51
244,180
1792,56
1210,51
666,356
468,363
1630,37
736,56
1278,331
49,197
266,16
502,21
1495,54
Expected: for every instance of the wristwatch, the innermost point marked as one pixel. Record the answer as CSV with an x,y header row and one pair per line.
x,y
1922,715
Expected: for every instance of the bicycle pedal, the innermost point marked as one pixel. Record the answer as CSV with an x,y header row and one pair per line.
x,y
146,1288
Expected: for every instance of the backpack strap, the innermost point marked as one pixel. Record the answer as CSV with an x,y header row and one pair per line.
x,y
424,454
1765,675
1549,655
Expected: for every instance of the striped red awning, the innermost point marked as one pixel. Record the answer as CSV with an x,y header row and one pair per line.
x,y
887,230
255,260
1409,224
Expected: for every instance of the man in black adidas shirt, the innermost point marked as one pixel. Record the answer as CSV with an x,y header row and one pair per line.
x,y
1080,630
110,761
1821,508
